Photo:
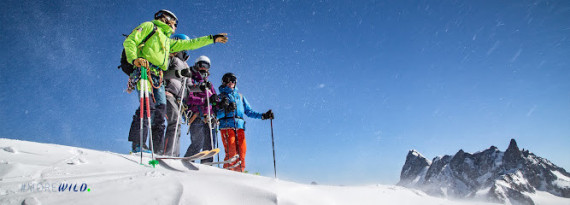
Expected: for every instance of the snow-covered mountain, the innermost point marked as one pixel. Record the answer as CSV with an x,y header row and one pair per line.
x,y
513,176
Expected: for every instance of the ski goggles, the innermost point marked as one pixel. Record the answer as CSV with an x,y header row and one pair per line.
x,y
203,65
171,21
232,79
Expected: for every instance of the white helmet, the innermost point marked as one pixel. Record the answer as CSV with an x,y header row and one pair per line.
x,y
203,59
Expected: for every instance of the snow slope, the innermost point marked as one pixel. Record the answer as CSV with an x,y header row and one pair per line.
x,y
31,173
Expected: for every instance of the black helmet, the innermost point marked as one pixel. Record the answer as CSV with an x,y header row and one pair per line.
x,y
229,77
160,13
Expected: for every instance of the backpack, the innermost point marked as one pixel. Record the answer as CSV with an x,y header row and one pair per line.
x,y
127,67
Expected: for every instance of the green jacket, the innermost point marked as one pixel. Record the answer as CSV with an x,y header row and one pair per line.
x,y
159,45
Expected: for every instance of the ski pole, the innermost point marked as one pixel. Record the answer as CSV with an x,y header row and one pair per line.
x,y
237,139
149,123
209,117
179,115
141,108
273,146
218,142
146,91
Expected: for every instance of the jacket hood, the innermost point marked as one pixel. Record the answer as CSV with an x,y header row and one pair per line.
x,y
163,26
225,89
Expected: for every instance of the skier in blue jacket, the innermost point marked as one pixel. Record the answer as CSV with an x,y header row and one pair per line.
x,y
232,123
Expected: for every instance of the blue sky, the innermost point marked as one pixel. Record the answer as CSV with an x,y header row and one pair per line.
x,y
354,85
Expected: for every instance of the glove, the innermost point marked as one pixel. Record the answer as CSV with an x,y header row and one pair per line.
x,y
214,99
186,72
205,85
225,103
140,62
220,38
267,115
214,120
231,107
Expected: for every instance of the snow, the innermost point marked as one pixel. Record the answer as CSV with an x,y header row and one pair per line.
x,y
543,197
519,179
469,162
419,155
416,153
562,181
482,192
34,174
484,178
499,159
421,176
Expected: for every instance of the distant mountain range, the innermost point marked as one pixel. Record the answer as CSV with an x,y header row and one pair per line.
x,y
490,175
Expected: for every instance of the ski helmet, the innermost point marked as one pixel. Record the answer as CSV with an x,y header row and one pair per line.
x,y
229,77
162,12
203,61
180,37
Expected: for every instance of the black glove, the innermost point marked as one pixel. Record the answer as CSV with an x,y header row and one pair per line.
x,y
186,72
214,99
205,85
231,107
224,103
220,38
267,115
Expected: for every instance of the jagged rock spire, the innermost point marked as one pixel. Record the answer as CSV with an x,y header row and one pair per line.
x,y
513,145
414,166
513,156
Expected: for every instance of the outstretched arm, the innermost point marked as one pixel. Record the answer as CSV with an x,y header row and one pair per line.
x,y
195,43
248,111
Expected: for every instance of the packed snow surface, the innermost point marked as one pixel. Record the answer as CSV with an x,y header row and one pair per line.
x,y
36,173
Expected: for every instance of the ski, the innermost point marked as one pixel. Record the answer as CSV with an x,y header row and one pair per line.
x,y
197,155
230,160
200,155
138,153
212,153
186,165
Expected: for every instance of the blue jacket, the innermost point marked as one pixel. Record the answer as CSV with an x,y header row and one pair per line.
x,y
242,107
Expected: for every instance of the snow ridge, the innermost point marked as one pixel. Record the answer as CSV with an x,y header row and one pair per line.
x,y
31,173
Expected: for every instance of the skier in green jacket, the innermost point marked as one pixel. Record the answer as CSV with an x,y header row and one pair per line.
x,y
153,55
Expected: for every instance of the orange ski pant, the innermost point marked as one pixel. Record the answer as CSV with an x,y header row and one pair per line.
x,y
234,146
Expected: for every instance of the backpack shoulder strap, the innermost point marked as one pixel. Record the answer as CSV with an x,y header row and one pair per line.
x,y
149,35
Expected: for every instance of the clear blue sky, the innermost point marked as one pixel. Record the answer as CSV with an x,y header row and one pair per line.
x,y
354,85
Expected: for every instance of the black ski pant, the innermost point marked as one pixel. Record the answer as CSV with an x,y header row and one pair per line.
x,y
157,120
200,136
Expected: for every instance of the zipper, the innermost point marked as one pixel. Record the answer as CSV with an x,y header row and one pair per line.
x,y
164,49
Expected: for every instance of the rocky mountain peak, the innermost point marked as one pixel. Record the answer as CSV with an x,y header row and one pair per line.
x,y
504,177
415,165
